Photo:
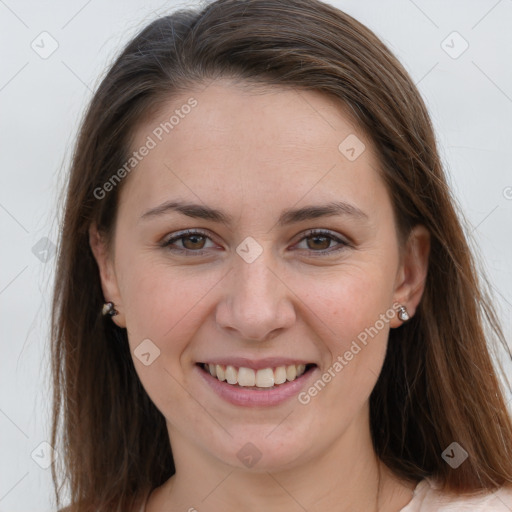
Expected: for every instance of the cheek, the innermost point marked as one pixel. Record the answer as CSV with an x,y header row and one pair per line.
x,y
351,314
349,299
164,303
352,310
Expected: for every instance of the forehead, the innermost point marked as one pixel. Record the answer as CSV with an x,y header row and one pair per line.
x,y
268,144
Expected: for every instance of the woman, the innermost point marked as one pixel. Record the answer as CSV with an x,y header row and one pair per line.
x,y
261,267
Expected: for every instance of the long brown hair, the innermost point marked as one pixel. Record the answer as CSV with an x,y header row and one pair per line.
x,y
438,384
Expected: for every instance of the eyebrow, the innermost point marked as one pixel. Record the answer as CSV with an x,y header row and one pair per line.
x,y
287,217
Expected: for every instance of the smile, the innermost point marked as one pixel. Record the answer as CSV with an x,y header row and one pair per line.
x,y
263,378
265,386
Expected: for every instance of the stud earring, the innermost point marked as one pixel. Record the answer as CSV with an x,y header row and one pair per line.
x,y
109,309
402,314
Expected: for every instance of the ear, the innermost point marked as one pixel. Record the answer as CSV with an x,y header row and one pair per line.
x,y
108,277
412,273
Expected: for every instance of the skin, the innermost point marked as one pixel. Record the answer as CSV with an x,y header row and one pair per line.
x,y
253,153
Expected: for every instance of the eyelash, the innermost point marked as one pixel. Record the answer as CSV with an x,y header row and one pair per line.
x,y
309,234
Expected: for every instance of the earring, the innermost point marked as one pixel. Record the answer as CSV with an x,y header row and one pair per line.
x,y
402,314
108,309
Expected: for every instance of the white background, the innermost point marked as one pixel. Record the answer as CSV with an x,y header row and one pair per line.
x,y
41,100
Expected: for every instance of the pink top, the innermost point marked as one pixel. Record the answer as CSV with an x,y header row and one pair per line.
x,y
427,498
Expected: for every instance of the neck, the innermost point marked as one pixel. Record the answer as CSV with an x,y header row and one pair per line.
x,y
345,476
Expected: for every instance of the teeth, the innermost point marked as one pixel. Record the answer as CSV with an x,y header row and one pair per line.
x,y
231,374
264,378
221,374
247,377
280,375
291,372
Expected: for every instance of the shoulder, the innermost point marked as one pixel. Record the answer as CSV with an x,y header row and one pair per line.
x,y
428,497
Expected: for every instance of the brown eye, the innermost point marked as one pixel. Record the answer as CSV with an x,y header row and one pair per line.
x,y
189,241
194,241
320,242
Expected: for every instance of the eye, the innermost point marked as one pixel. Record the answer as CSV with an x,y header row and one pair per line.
x,y
192,241
321,239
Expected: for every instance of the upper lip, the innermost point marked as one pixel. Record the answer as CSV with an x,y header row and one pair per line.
x,y
256,364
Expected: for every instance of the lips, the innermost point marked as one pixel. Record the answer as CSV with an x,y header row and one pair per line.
x,y
254,396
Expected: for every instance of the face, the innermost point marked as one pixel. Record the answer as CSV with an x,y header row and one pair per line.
x,y
250,271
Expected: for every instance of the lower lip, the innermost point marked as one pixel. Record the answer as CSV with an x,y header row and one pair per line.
x,y
237,395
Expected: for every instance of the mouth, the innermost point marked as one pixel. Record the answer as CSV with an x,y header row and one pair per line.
x,y
262,379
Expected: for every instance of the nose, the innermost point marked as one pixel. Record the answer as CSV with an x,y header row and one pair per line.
x,y
256,305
